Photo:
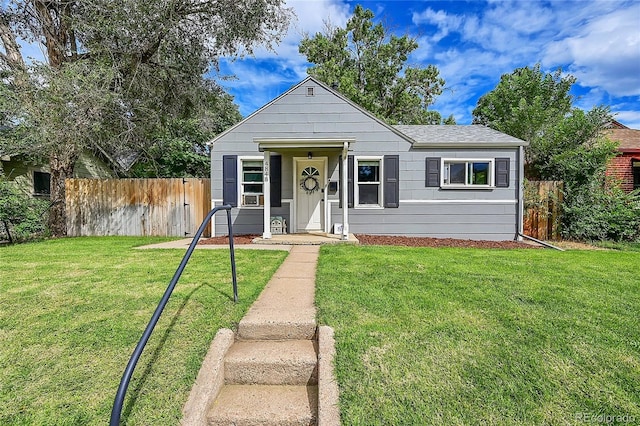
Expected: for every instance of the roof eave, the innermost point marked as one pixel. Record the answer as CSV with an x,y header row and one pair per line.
x,y
469,144
285,143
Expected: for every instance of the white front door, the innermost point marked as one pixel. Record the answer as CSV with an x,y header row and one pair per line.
x,y
310,183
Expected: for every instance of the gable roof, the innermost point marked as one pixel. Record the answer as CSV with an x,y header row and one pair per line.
x,y
420,136
458,136
327,88
629,138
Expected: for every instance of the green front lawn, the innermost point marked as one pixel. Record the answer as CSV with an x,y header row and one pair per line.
x,y
72,311
470,336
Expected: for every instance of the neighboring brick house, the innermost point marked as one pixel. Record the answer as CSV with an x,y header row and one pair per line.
x,y
626,166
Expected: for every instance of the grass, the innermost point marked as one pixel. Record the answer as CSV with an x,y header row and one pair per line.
x,y
622,246
72,310
470,336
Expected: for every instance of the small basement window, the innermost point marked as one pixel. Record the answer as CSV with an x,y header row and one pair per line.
x,y
41,183
458,173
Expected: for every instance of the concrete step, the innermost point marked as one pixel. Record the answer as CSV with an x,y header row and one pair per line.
x,y
253,405
262,323
272,362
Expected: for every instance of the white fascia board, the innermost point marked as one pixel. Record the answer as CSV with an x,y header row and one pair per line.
x,y
467,145
282,143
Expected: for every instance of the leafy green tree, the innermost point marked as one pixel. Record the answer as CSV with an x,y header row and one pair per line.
x,y
369,66
179,148
526,102
116,72
567,144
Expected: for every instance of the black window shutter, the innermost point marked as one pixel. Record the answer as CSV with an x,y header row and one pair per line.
x,y
350,183
432,167
502,172
230,180
275,176
391,181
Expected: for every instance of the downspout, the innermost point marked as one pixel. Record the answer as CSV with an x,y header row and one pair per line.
x,y
544,243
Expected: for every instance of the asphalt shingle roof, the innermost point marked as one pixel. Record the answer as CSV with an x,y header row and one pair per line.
x,y
628,138
458,135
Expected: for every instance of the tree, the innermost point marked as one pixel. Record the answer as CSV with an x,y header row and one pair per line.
x,y
369,66
116,72
526,102
567,144
179,148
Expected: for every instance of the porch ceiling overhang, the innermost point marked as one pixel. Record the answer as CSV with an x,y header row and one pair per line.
x,y
297,143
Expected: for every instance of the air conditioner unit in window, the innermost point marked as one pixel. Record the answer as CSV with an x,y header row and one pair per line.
x,y
251,200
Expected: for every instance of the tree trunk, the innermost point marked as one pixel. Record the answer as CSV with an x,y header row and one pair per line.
x,y
61,165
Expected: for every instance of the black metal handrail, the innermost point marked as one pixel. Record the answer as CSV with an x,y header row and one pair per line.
x,y
128,372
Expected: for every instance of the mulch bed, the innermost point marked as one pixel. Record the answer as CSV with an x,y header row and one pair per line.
x,y
237,239
438,242
397,241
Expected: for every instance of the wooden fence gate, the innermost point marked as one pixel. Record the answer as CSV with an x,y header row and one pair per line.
x,y
137,207
542,200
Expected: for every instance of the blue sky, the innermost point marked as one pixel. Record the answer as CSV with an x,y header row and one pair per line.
x,y
473,43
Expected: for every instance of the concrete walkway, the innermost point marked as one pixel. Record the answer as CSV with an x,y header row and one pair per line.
x,y
278,367
276,242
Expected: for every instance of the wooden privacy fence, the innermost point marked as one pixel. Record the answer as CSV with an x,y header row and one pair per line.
x,y
542,200
137,207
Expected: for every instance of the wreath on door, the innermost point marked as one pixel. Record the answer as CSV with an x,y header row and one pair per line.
x,y
309,180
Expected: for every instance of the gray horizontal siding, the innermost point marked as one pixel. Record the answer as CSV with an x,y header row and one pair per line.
x,y
472,213
456,220
248,220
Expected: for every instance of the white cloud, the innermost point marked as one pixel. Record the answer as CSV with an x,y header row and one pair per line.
x,y
605,52
267,74
311,18
445,22
630,118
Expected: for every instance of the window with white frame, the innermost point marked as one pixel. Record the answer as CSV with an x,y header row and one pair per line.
x,y
252,182
467,173
368,182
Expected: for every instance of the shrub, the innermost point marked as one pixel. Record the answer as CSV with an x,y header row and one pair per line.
x,y
21,217
596,212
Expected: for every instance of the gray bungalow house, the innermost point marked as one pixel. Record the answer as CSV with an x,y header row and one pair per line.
x,y
313,161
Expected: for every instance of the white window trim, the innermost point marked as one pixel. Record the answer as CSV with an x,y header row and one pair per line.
x,y
240,180
356,195
465,185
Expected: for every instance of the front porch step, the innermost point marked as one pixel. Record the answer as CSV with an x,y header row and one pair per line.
x,y
271,362
277,324
261,405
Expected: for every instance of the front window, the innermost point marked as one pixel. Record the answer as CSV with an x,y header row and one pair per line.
x,y
635,166
368,182
252,183
467,173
